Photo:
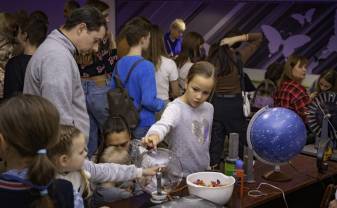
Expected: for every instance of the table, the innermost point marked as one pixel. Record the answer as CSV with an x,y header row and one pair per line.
x,y
304,190
299,191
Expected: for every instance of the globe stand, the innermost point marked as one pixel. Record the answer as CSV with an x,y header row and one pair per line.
x,y
276,175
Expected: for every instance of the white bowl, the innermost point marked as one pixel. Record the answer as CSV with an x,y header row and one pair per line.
x,y
219,195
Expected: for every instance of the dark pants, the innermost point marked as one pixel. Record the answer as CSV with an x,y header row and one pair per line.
x,y
228,118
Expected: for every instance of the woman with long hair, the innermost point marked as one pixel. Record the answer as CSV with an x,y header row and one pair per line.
x,y
166,69
290,93
192,52
227,99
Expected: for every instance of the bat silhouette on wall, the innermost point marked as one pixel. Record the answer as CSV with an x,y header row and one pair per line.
x,y
289,45
306,17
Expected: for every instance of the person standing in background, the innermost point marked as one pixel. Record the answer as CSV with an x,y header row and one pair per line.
x,y
166,69
95,69
227,99
141,83
290,92
8,44
53,72
174,38
32,32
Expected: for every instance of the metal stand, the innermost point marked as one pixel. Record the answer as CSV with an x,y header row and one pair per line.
x,y
323,144
276,175
159,196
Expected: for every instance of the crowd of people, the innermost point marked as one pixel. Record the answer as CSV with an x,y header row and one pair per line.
x,y
61,146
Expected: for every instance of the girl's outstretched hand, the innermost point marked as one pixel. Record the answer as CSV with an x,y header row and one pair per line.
x,y
151,141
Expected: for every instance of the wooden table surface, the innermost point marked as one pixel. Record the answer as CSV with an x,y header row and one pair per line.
x,y
303,172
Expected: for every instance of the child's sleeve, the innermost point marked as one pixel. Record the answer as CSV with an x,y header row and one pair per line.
x,y
104,172
168,120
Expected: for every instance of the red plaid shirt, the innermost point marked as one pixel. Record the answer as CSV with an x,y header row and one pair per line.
x,y
292,95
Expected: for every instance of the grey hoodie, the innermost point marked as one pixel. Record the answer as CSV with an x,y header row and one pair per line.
x,y
52,73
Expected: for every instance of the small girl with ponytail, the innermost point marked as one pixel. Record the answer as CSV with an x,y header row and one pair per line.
x,y
28,126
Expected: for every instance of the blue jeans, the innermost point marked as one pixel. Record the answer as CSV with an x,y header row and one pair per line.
x,y
97,106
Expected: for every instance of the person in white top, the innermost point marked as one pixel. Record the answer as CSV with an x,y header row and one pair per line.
x,y
166,69
192,52
187,121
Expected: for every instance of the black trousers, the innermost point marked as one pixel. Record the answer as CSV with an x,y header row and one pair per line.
x,y
228,118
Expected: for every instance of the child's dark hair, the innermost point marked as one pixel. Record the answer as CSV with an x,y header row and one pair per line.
x,y
64,144
30,124
330,76
113,124
202,68
39,15
274,72
222,58
139,20
135,30
157,47
36,31
191,49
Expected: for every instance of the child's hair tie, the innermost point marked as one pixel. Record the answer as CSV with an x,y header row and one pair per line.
x,y
42,152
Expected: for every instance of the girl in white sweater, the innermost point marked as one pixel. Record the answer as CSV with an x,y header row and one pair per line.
x,y
187,121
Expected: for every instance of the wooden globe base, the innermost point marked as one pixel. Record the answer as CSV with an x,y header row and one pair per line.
x,y
276,176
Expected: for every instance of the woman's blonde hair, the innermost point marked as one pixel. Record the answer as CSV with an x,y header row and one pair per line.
x,y
178,24
116,155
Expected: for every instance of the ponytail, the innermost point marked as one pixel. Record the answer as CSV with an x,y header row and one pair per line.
x,y
41,173
30,139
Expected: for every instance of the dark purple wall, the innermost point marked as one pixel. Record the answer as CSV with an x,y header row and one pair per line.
x,y
53,8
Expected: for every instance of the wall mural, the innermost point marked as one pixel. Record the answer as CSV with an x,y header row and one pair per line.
x,y
307,17
304,27
287,46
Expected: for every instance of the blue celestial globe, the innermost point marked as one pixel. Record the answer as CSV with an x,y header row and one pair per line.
x,y
276,135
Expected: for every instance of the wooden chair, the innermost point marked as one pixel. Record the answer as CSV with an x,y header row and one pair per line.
x,y
329,194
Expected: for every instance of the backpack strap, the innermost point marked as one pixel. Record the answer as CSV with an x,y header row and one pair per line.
x,y
118,81
129,73
132,68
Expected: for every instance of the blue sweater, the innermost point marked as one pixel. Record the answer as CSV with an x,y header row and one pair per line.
x,y
141,87
175,47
